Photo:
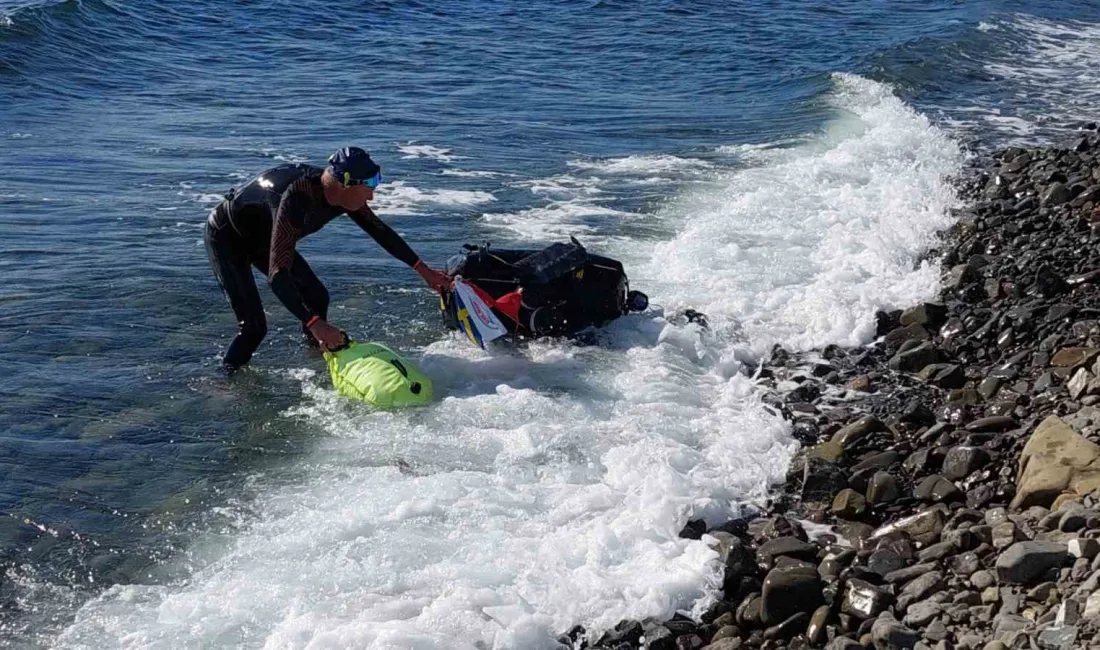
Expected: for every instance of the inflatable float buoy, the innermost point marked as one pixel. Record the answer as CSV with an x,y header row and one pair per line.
x,y
373,373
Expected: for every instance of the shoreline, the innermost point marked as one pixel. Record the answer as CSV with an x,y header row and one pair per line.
x,y
954,461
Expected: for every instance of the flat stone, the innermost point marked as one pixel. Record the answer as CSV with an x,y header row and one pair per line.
x,y
914,359
856,431
992,423
889,634
922,613
1072,357
905,575
936,631
1058,638
924,527
791,626
1056,459
1026,562
922,587
785,546
1005,624
936,489
936,552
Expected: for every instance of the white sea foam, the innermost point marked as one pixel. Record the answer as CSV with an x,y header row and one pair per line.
x,y
400,198
412,150
642,165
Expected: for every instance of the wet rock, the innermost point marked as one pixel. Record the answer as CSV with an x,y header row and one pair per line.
x,y
858,430
961,275
913,360
989,387
882,488
937,489
925,314
815,631
924,527
788,592
739,560
992,423
864,600
849,504
785,546
884,561
1073,357
1055,460
962,461
877,461
1048,283
1057,194
1028,562
749,611
658,637
944,375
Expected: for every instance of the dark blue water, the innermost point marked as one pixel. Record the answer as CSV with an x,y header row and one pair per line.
x,y
122,123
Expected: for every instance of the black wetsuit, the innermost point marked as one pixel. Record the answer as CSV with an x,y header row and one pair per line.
x,y
258,225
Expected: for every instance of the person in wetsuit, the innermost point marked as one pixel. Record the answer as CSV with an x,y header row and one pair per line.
x,y
259,224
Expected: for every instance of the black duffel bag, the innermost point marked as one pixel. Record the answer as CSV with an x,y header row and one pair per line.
x,y
563,288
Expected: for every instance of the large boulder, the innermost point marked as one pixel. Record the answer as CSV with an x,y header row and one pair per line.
x,y
788,591
1056,460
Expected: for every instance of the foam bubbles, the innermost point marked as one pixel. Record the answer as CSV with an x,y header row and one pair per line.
x,y
412,150
400,198
642,165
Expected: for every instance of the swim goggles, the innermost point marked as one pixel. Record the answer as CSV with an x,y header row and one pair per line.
x,y
372,182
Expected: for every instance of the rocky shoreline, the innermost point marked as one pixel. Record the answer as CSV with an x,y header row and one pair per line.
x,y
954,462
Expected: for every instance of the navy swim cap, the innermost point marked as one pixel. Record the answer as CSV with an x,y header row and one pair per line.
x,y
354,162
